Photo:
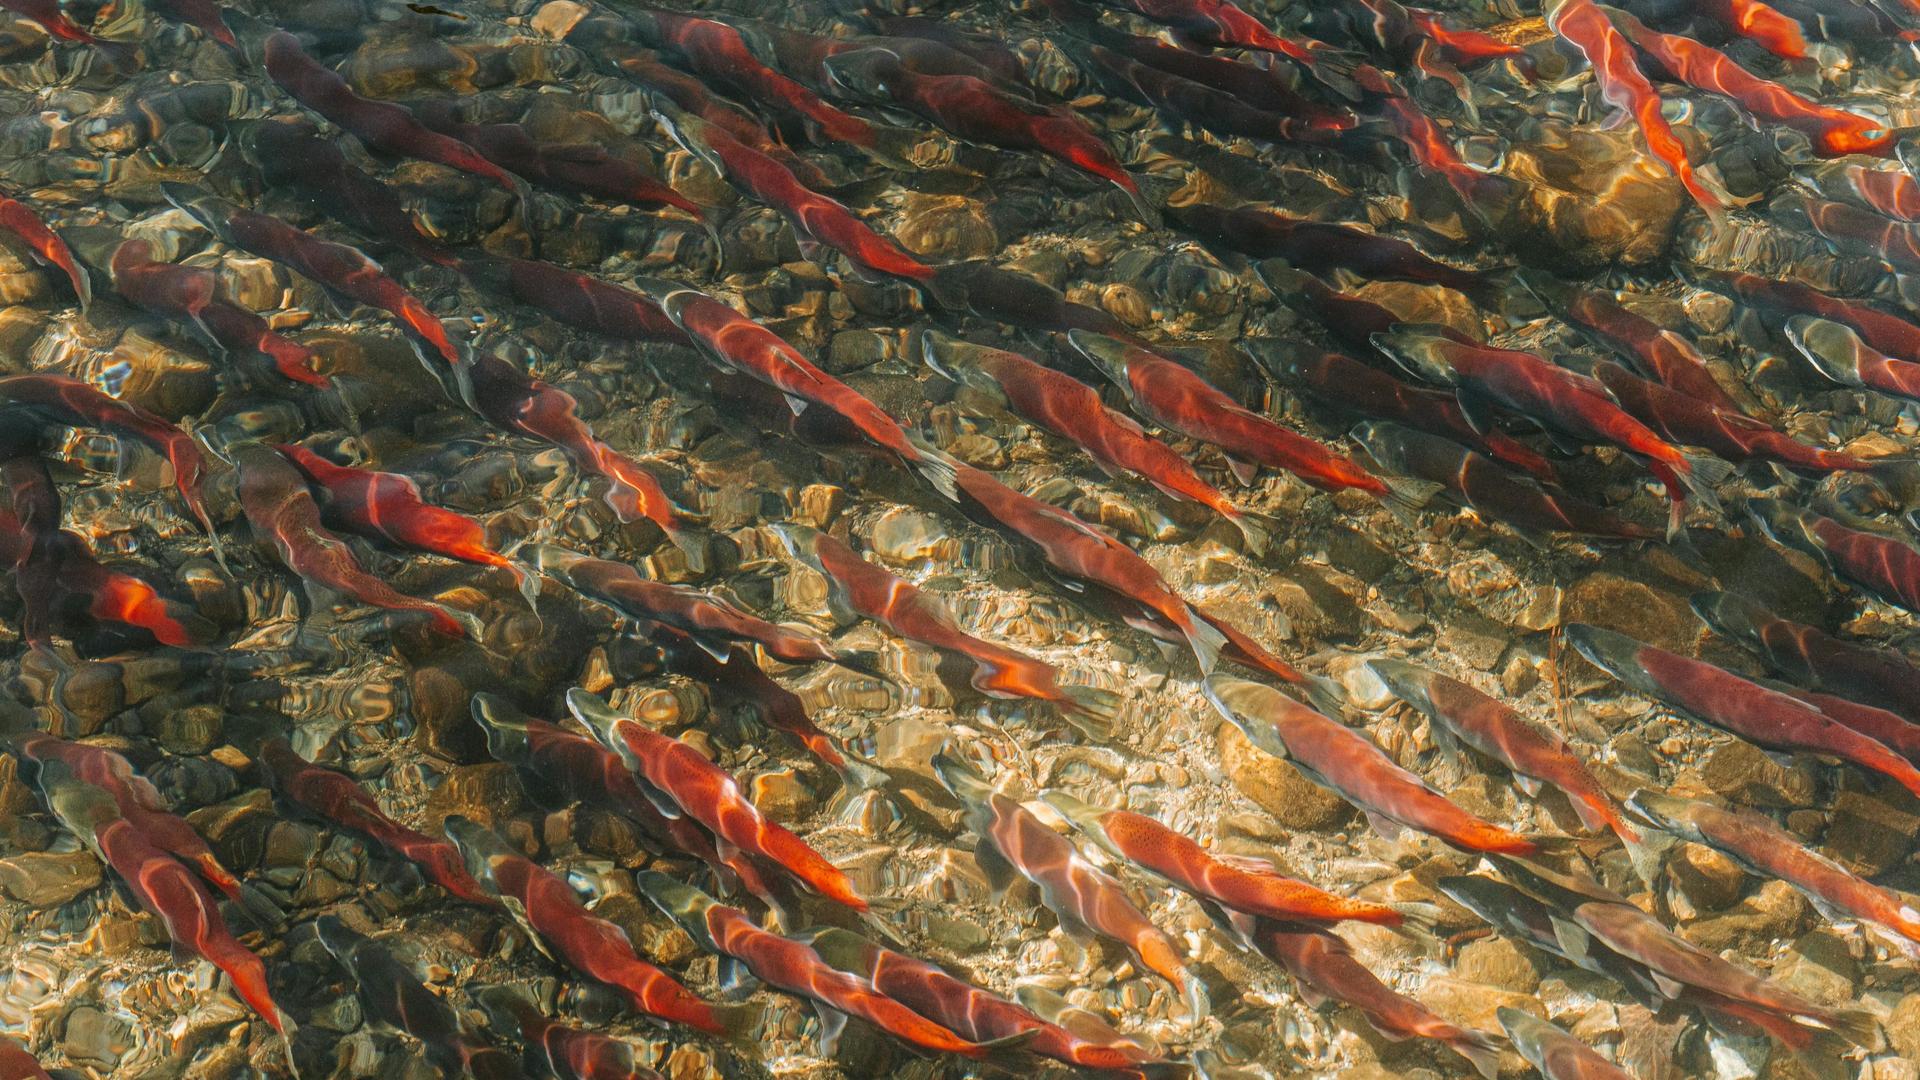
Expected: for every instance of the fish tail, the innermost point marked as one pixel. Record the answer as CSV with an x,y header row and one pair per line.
x,y
1149,216
1405,494
938,470
739,1023
1857,1026
1479,1048
1251,530
1205,640
1097,708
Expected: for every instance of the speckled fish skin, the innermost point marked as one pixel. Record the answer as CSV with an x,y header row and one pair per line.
x,y
392,507
584,770
17,1064
547,906
1585,26
338,798
707,618
1348,764
1077,550
965,1009
711,796
873,592
61,399
394,998
1835,132
139,803
1324,967
1731,703
382,125
1766,849
1170,395
1348,383
1073,410
1660,353
1881,565
1246,886
19,219
1838,352
1080,893
161,884
1558,1055
191,293
1632,933
275,500
1503,734
1815,659
792,966
515,401
343,269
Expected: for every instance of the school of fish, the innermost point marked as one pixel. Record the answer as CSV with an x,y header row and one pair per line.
x,y
1123,538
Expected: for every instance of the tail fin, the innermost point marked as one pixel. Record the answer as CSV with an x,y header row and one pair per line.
x,y
1095,709
740,1023
1253,531
1856,1025
938,470
1405,494
1205,640
1479,1048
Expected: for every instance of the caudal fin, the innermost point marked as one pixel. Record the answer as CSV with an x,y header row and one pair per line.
x,y
1252,531
1204,639
1094,709
1479,1048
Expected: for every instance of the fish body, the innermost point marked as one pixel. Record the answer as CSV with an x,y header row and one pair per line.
x,y
792,966
1558,1055
62,584
17,1064
382,125
1838,352
1731,436
344,270
1324,968
588,772
291,151
546,905
61,399
1881,565
191,293
1405,29
1894,336
1170,395
1340,380
965,1009
695,97
707,618
711,796
586,302
1835,132
276,501
577,168
1756,843
1086,898
566,1052
56,22
871,591
1760,23
1882,725
1849,229
1246,886
204,14
512,400
1073,410
1079,552
1731,703
1202,106
394,998
1256,87
1019,300
338,798
1632,933
737,342
1660,353
1893,193
390,506
736,678
1507,737
1585,26
1345,762
19,219
1318,246
1224,24
1481,191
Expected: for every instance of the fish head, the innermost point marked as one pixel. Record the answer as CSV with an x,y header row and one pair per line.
x,y
506,726
199,205
801,542
506,1007
479,846
1730,614
1547,288
1484,896
1529,1033
843,950
1786,524
1615,653
958,361
1907,151
960,777
694,134
1834,349
600,718
1251,707
551,559
1664,812
681,902
338,938
1385,442
671,297
1113,357
1409,682
1420,350
864,73
1085,816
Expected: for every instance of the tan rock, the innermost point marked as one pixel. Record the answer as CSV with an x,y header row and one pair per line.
x,y
1499,963
1276,786
1708,879
45,879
